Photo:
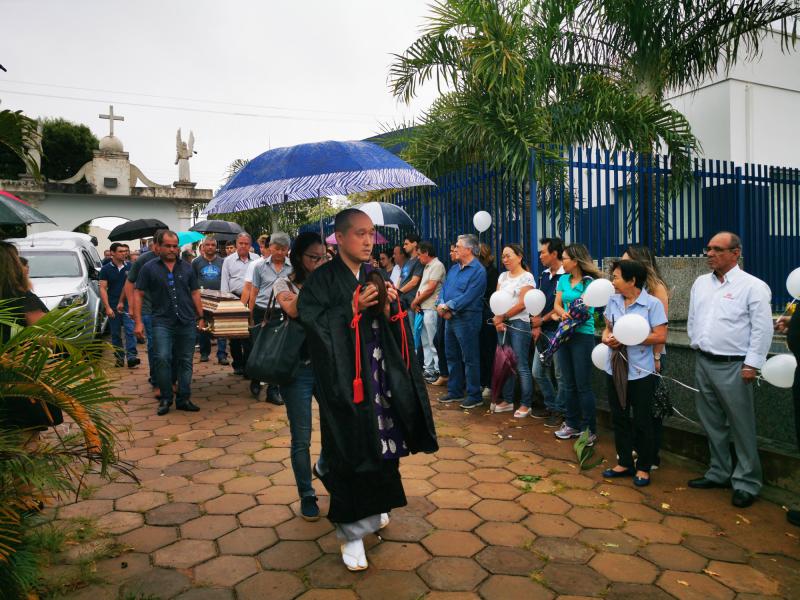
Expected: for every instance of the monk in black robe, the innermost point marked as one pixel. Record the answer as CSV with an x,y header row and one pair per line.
x,y
373,403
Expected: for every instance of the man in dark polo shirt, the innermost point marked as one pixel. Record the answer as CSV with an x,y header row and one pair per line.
x,y
208,268
177,312
143,305
113,276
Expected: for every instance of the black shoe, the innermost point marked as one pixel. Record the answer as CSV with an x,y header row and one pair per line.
x,y
223,361
255,388
276,399
187,406
204,358
238,371
701,483
309,509
134,362
742,499
793,516
120,362
554,420
540,413
163,408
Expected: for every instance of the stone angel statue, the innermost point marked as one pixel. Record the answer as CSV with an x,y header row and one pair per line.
x,y
184,153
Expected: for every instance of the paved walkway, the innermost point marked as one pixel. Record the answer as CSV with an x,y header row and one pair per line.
x,y
500,512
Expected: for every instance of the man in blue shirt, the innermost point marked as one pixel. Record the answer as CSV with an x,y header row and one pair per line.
x,y
208,268
461,305
113,276
177,312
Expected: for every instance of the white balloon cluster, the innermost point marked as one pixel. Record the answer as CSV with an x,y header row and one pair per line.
x,y
501,302
598,293
779,370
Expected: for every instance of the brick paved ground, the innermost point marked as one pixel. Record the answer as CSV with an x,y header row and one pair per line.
x,y
216,517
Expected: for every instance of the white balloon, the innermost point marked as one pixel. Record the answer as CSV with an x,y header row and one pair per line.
x,y
501,302
779,370
482,220
793,283
600,356
598,293
535,301
631,330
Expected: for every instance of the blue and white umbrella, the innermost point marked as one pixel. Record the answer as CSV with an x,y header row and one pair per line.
x,y
313,171
388,215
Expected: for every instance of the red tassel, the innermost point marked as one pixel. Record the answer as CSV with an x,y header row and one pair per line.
x,y
358,385
358,390
406,353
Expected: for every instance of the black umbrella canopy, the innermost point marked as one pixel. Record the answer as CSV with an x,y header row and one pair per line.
x,y
14,211
138,228
217,226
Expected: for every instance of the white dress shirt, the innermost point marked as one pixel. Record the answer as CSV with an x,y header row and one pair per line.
x,y
732,317
233,271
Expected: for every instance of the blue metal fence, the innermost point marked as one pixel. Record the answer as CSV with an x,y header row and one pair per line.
x,y
610,200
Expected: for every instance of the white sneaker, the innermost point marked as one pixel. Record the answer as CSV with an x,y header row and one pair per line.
x,y
486,394
354,555
384,520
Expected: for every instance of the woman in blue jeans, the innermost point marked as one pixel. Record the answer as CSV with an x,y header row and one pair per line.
x,y
307,254
514,328
575,354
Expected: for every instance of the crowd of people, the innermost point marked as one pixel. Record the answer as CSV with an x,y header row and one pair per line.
x,y
377,326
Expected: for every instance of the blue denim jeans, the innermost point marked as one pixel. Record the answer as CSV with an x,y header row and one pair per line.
x,y
204,339
463,355
116,325
175,341
575,359
147,320
553,398
297,396
518,336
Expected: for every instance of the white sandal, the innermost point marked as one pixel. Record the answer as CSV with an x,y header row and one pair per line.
x,y
384,520
521,415
498,408
354,555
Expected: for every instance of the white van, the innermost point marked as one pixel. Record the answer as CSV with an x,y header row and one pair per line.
x,y
65,271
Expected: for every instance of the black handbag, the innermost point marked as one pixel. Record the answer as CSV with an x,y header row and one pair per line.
x,y
275,352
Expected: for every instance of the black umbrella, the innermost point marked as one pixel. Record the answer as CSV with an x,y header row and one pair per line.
x,y
14,211
217,226
388,215
138,228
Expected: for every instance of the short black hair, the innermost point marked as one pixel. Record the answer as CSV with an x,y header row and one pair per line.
x,y
412,237
553,245
402,250
116,245
631,270
162,233
428,248
344,219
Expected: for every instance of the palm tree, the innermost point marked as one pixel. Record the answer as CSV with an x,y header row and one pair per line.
x,y
15,130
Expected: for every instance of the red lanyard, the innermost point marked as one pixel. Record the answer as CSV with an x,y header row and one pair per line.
x,y
358,385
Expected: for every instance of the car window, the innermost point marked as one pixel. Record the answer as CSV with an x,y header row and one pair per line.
x,y
53,264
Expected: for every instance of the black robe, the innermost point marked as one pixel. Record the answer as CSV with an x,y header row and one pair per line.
x,y
360,481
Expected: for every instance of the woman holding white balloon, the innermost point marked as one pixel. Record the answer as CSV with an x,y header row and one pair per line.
x,y
635,322
513,327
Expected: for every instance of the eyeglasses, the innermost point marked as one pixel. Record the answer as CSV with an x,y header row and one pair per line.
x,y
315,258
718,249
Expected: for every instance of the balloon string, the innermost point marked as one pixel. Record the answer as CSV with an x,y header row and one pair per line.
x,y
788,306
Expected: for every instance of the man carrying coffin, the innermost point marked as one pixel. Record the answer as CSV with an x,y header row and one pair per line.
x,y
374,407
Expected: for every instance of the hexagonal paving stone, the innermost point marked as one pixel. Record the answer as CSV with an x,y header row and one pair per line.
x,y
122,567
692,586
635,591
300,529
609,541
112,491
391,584
416,471
454,481
551,525
583,497
504,587
278,494
214,476
330,572
578,580
196,492
270,584
489,461
118,523
265,515
744,578
652,532
672,557
416,506
320,594
86,509
452,574
157,583
453,498
499,510
148,538
229,504
621,567
689,525
453,453
500,560
452,543
247,540
496,491
453,519
397,556
544,503
485,448
492,475
563,550
206,594
141,501
174,513
406,528
186,468
636,512
225,571
184,554
204,454
417,487
595,518
208,527
573,480
166,483
716,548
505,534
289,556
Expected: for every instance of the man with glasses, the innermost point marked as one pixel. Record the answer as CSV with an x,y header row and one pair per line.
x,y
177,314
730,327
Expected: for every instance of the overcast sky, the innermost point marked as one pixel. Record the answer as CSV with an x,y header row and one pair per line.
x,y
244,75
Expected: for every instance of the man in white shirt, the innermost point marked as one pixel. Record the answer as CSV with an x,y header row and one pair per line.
x,y
730,326
248,297
425,302
234,268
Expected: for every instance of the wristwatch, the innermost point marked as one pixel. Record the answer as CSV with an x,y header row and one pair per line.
x,y
657,355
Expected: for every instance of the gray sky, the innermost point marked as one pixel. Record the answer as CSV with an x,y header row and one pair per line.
x,y
244,75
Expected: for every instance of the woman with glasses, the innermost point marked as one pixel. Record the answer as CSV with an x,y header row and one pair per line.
x,y
307,254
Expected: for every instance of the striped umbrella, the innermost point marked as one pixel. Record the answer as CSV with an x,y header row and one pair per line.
x,y
388,215
313,171
15,211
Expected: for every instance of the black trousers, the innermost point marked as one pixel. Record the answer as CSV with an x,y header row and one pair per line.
x,y
487,342
639,426
240,351
440,351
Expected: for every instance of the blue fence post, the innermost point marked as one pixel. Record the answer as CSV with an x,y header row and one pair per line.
x,y
532,190
740,203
